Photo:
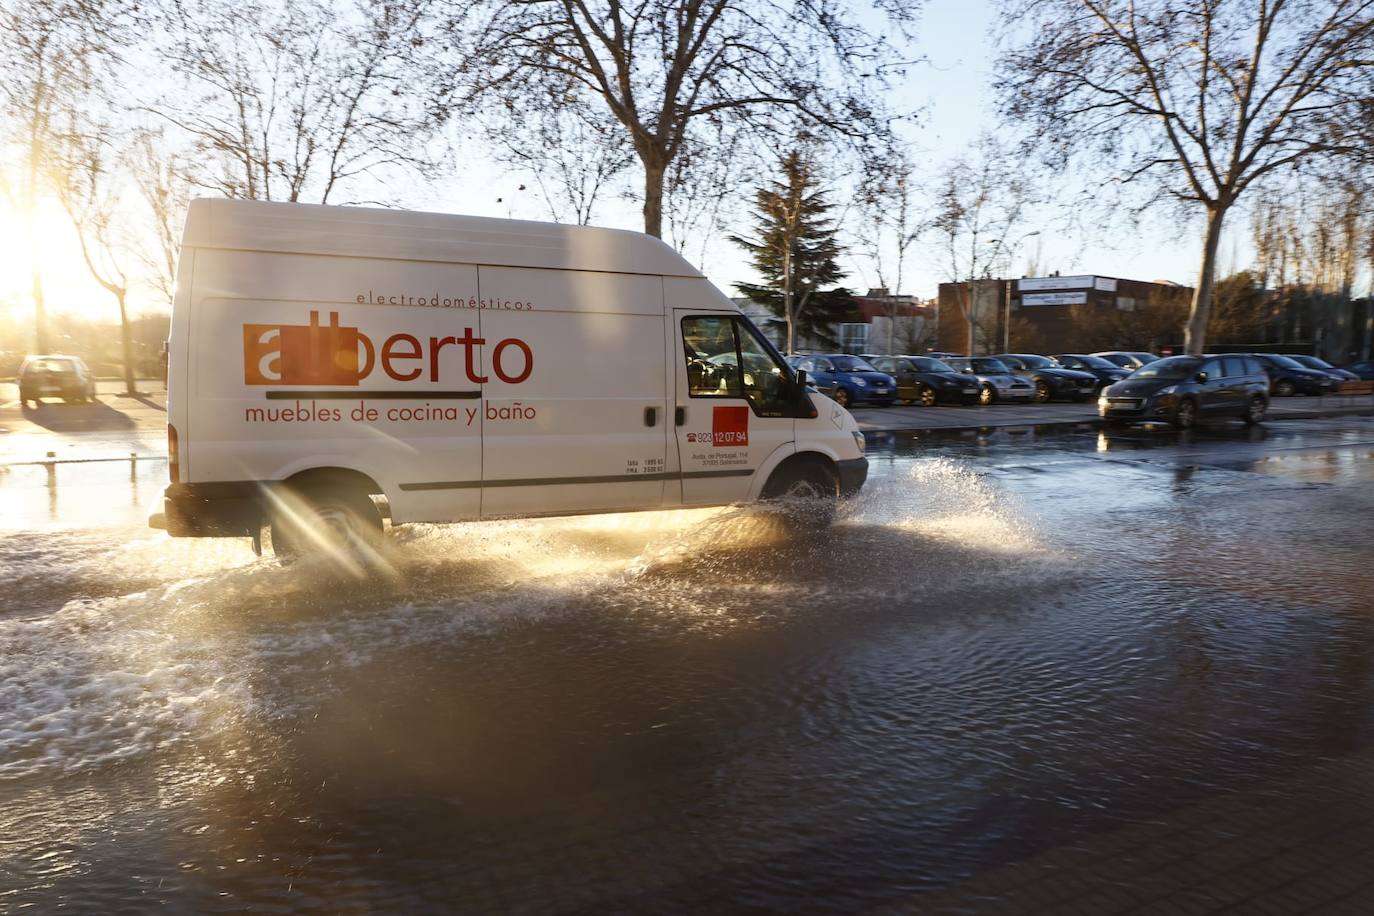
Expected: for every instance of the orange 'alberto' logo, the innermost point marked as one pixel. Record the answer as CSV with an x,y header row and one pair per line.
x,y
300,354
312,354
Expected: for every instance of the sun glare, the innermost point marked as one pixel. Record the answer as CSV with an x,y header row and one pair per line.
x,y
51,245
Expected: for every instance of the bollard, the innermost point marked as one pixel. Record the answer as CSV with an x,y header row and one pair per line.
x,y
51,465
133,467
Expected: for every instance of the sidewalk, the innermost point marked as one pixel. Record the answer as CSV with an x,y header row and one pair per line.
x,y
880,419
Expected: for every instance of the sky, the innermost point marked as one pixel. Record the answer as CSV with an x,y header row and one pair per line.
x,y
952,86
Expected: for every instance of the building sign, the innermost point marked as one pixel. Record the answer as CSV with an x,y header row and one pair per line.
x,y
1054,299
1026,284
1106,284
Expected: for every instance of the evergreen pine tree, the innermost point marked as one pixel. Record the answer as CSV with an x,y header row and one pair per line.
x,y
796,253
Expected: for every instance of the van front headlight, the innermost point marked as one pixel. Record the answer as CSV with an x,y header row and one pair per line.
x,y
860,441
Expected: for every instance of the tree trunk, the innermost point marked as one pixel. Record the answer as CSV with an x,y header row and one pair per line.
x,y
40,315
1195,339
787,299
653,196
127,340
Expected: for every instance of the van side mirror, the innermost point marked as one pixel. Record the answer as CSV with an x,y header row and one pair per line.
x,y
1200,377
801,379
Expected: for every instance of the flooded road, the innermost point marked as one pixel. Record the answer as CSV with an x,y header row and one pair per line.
x,y
1014,642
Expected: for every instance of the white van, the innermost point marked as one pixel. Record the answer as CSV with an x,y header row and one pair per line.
x,y
329,366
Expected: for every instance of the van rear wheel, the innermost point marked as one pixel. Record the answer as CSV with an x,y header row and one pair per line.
x,y
314,520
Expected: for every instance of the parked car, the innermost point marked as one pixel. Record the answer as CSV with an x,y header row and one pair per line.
x,y
996,381
1127,359
1321,365
927,381
1287,377
1362,370
1051,381
55,375
850,378
1182,389
1105,371
826,388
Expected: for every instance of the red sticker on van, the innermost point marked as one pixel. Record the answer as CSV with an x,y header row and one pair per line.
x,y
730,426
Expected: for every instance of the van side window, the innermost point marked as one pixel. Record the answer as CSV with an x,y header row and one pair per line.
x,y
709,342
1235,366
716,347
765,377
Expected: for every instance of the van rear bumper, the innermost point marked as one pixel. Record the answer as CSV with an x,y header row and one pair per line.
x,y
853,473
213,510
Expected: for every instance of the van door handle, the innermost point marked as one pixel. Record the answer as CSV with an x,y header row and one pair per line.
x,y
680,416
651,416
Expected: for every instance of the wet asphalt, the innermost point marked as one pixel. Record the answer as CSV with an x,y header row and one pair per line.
x,y
1016,641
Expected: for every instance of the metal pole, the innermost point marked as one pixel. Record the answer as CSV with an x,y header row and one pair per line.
x,y
1006,317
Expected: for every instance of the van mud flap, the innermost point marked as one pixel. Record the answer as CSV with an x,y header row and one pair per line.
x,y
214,510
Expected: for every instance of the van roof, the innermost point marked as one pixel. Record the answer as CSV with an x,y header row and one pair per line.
x,y
252,225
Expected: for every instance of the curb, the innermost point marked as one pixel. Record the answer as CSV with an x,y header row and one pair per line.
x,y
1097,422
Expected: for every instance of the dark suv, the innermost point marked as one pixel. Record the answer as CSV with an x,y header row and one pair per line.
x,y
55,376
1049,378
1288,377
1106,371
1182,389
927,381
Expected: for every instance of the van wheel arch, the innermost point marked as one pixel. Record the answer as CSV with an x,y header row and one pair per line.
x,y
340,478
805,488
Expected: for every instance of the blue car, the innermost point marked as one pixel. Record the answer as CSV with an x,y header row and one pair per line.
x,y
849,379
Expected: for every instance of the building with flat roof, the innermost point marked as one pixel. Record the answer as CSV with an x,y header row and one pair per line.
x,y
1057,314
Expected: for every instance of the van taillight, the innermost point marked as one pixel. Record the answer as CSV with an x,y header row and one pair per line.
x,y
173,455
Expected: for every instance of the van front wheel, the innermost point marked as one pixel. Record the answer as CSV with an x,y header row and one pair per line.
x,y
324,520
804,492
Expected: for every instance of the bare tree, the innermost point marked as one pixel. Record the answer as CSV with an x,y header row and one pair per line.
x,y
889,225
164,179
701,184
666,68
1205,98
90,192
574,156
51,53
983,200
300,99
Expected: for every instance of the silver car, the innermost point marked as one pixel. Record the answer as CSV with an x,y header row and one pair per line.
x,y
997,382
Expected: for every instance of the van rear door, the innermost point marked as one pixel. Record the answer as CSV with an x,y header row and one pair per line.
x,y
732,405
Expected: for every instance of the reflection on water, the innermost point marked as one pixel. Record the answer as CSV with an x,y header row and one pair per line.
x,y
993,652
